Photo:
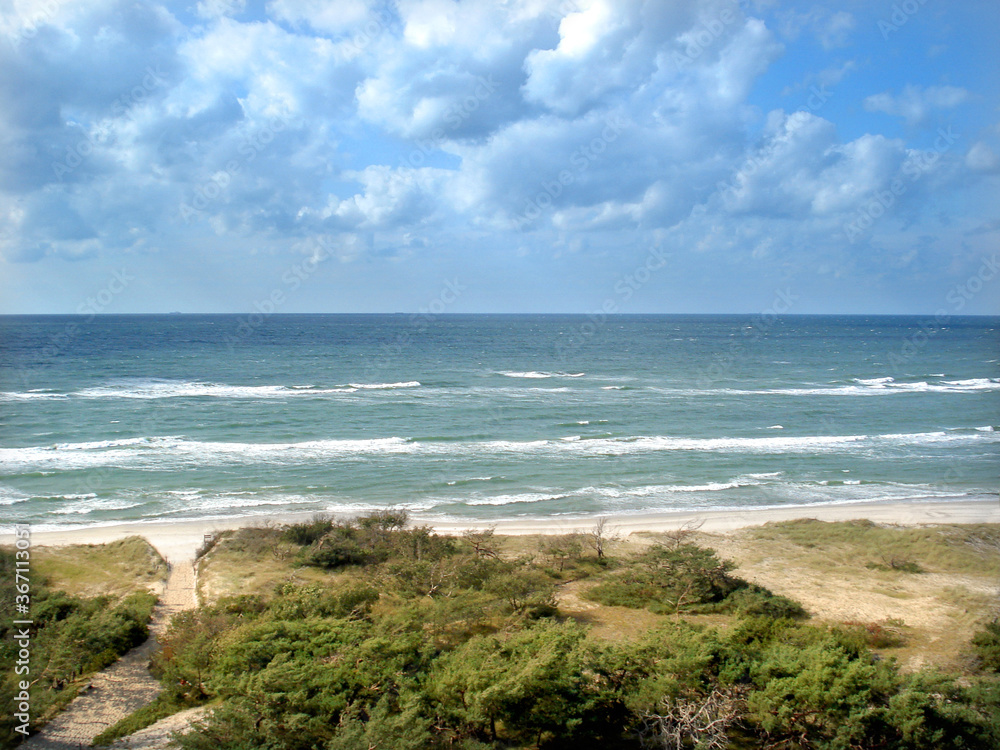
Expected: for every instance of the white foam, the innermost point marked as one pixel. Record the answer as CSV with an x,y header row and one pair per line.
x,y
385,386
975,383
186,389
877,382
82,509
668,489
178,452
526,497
470,480
30,395
10,496
535,375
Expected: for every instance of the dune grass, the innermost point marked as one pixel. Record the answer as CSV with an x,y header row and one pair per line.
x,y
115,569
251,561
972,549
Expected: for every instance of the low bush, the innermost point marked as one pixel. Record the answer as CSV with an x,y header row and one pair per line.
x,y
71,637
688,578
987,646
308,532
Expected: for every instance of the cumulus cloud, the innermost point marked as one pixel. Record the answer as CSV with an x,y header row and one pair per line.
x,y
407,128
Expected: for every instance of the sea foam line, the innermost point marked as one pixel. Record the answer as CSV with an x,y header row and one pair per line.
x,y
160,452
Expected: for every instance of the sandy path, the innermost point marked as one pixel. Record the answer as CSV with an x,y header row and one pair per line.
x,y
157,736
123,687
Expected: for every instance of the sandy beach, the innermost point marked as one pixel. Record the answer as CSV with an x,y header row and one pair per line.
x,y
179,541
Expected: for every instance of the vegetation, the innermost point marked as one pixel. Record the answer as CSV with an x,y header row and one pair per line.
x,y
115,569
970,548
71,637
417,641
688,578
987,646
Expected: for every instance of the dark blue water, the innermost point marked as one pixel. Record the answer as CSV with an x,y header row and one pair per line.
x,y
119,418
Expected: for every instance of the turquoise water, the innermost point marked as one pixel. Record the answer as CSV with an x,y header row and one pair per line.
x,y
123,418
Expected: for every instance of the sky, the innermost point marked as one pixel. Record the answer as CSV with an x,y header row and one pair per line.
x,y
617,156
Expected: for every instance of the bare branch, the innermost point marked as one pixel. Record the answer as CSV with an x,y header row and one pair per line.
x,y
484,543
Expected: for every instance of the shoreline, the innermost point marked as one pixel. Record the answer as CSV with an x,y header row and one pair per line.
x,y
178,541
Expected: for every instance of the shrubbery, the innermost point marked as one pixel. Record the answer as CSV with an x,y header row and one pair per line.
x,y
987,645
71,637
424,642
688,578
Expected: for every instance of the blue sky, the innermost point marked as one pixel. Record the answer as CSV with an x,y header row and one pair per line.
x,y
499,156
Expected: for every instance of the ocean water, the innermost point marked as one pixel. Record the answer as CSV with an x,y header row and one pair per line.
x,y
138,418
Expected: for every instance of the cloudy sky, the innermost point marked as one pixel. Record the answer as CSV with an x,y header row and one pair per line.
x,y
499,155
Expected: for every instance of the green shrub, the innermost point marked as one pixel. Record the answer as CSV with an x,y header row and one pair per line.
x,y
757,600
688,578
308,532
987,646
860,635
71,637
433,647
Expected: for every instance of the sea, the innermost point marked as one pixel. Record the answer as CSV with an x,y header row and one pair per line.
x,y
477,418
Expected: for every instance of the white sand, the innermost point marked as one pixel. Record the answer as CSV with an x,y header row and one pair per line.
x,y
179,541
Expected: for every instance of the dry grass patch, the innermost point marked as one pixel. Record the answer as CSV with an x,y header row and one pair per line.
x,y
954,548
251,561
842,572
114,569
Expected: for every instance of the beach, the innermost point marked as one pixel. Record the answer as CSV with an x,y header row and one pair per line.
x,y
179,541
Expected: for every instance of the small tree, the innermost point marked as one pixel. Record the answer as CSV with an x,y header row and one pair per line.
x,y
384,520
484,543
601,536
676,537
562,549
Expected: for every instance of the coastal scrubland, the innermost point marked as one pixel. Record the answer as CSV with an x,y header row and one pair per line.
x,y
89,605
370,632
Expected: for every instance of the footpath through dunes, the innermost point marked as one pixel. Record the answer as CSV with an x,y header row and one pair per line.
x,y
126,685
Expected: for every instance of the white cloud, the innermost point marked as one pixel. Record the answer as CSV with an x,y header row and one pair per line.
x,y
982,158
326,17
831,28
916,103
